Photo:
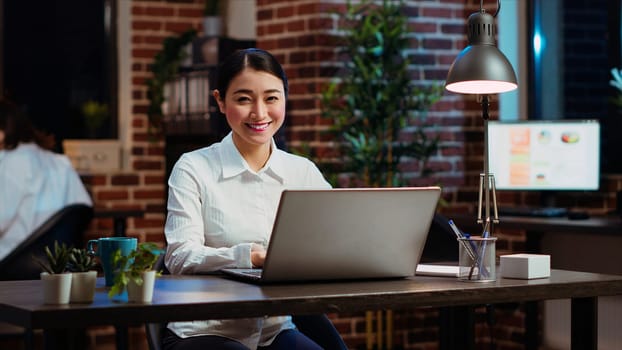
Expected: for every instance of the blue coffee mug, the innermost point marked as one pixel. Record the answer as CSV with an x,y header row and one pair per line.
x,y
104,249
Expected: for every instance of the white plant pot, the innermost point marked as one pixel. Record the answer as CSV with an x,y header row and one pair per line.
x,y
212,26
83,287
142,293
56,287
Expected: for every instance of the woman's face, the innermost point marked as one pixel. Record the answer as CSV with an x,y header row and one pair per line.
x,y
255,108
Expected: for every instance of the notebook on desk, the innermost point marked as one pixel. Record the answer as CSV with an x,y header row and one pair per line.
x,y
341,234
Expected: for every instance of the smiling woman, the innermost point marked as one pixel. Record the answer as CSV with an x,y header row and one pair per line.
x,y
59,57
223,200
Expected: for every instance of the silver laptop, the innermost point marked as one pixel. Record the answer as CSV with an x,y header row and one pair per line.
x,y
351,233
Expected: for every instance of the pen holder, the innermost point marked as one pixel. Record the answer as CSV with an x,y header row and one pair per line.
x,y
477,259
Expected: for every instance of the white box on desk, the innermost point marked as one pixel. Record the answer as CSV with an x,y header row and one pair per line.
x,y
525,266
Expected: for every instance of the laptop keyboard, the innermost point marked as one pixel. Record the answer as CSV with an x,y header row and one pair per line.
x,y
253,272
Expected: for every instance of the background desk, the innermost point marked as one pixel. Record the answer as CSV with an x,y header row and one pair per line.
x,y
119,217
178,298
543,233
591,245
604,224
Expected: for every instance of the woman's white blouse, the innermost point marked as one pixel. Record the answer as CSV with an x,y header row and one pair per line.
x,y
217,207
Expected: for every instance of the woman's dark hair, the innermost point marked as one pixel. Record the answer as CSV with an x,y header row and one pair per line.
x,y
257,59
18,128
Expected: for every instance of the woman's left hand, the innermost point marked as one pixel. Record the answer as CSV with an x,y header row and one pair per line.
x,y
258,255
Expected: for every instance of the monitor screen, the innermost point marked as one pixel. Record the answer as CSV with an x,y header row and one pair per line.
x,y
545,154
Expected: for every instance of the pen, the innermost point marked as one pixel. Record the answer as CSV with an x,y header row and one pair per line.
x,y
481,255
474,250
459,235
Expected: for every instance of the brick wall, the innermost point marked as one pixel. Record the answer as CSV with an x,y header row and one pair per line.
x,y
143,185
300,33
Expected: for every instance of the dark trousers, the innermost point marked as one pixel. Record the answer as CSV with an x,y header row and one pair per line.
x,y
290,339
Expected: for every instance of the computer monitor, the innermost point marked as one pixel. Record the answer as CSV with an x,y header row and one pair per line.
x,y
545,155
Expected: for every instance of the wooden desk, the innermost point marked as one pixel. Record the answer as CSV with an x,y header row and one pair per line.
x,y
119,217
178,298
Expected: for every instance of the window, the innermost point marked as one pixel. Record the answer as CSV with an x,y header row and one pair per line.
x,y
571,46
57,55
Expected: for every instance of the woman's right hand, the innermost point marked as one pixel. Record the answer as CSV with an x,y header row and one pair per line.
x,y
258,255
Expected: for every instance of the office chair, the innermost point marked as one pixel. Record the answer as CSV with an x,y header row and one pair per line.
x,y
67,225
317,327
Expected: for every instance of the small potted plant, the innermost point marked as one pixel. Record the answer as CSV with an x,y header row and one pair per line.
x,y
135,273
95,115
55,277
81,265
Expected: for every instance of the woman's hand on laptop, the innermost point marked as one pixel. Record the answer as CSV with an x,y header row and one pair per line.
x,y
258,255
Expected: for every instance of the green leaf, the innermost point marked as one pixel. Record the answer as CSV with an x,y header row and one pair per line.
x,y
129,267
56,261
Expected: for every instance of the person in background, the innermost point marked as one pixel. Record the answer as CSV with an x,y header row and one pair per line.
x,y
34,181
223,199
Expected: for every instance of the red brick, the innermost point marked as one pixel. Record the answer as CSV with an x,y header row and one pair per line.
x,y
145,53
190,12
307,9
157,237
125,180
104,224
296,26
149,194
145,223
424,27
284,12
154,179
159,11
264,14
275,28
155,208
107,195
146,25
177,27
93,180
436,12
148,165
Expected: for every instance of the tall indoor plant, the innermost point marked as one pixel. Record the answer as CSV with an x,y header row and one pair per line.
x,y
374,103
374,98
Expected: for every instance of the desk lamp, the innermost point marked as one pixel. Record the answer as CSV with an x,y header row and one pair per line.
x,y
483,70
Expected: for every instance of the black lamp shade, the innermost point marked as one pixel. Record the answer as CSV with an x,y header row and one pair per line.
x,y
481,68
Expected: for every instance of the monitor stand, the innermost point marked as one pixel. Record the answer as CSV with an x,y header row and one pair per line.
x,y
546,209
547,199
